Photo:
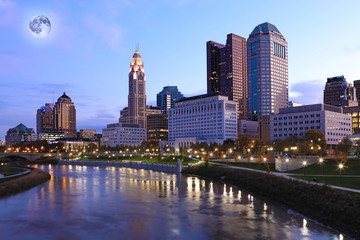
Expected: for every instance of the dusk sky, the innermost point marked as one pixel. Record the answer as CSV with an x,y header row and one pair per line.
x,y
91,43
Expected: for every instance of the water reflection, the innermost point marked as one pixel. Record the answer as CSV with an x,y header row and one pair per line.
x,y
108,202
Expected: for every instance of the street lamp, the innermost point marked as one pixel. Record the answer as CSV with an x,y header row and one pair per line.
x,y
287,164
304,164
321,162
341,166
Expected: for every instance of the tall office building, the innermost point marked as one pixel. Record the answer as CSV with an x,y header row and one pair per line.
x,y
20,133
65,116
167,97
45,119
267,69
227,71
137,97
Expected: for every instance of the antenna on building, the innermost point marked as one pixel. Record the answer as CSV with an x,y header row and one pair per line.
x,y
137,46
53,96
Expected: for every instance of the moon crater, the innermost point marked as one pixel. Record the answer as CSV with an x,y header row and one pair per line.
x,y
40,26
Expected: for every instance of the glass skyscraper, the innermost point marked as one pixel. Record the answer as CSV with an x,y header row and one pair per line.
x,y
167,98
226,71
267,68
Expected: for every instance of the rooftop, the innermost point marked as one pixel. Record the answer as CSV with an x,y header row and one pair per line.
x,y
199,97
265,28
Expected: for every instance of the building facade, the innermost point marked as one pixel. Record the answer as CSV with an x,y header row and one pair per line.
x,y
267,69
65,116
45,119
334,93
296,121
227,71
354,113
249,129
51,136
167,98
209,116
87,133
123,134
157,127
137,95
18,134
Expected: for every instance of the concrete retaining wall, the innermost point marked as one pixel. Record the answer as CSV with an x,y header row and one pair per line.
x,y
294,163
131,164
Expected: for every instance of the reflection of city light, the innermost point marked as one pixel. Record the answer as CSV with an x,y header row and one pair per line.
x,y
341,237
265,207
211,187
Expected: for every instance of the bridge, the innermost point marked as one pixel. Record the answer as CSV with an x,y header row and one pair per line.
x,y
27,156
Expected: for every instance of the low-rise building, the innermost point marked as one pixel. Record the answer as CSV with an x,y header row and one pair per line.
x,y
298,120
210,117
20,133
87,133
123,134
51,136
249,129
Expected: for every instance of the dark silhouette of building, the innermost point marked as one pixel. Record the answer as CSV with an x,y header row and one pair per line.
x,y
157,127
267,69
227,71
167,98
65,116
334,92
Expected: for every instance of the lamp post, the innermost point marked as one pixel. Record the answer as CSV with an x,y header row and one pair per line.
x,y
321,162
341,166
287,164
304,164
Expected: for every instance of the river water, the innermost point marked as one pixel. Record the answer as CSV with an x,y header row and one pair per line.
x,y
82,202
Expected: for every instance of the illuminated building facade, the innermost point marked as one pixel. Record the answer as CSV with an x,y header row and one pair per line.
x,y
123,134
267,69
65,116
20,133
157,127
137,96
45,119
227,71
167,98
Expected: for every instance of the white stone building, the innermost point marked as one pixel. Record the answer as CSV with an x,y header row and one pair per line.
x,y
123,134
210,117
298,120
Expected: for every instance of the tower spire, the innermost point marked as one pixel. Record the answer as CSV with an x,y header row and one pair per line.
x,y
137,46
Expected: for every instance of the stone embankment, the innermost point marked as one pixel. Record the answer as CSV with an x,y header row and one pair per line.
x,y
331,207
25,182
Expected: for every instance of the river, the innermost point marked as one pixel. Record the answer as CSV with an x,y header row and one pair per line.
x,y
81,202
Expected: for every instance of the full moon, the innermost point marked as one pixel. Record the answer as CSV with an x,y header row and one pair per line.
x,y
40,26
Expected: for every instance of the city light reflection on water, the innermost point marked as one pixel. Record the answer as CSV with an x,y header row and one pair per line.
x,y
91,202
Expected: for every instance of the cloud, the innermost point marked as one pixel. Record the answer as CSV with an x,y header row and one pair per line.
x,y
6,4
111,34
309,92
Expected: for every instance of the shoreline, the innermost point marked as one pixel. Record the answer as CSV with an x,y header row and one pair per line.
x,y
335,209
22,183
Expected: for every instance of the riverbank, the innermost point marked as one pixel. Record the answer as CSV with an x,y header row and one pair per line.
x,y
333,208
19,184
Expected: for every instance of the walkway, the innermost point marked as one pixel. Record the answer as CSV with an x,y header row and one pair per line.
x,y
288,176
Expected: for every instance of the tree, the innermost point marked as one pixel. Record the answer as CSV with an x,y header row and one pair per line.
x,y
345,145
317,139
357,148
243,142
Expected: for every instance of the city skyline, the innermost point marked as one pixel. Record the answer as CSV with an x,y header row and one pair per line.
x,y
87,51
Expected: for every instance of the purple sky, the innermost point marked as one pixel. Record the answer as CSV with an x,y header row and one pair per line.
x,y
89,49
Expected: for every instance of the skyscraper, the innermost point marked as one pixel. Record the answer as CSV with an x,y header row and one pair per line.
x,y
45,119
227,71
65,116
137,97
267,68
167,97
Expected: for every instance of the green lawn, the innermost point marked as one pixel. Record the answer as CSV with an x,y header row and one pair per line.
x,y
10,170
257,166
165,160
349,182
331,167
